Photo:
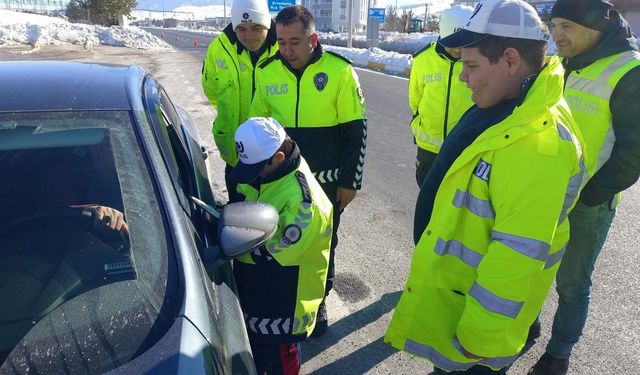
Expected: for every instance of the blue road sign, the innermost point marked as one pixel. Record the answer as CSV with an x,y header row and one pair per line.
x,y
276,5
377,13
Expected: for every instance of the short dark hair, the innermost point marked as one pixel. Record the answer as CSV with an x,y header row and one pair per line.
x,y
532,51
287,146
294,13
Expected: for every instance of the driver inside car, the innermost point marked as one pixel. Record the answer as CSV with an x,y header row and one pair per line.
x,y
62,232
107,218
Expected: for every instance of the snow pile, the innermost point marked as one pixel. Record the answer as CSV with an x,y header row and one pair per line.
x,y
393,62
36,30
389,41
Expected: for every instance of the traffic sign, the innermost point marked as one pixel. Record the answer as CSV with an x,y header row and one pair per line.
x,y
377,13
276,5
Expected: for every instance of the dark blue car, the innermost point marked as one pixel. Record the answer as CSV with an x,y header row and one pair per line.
x,y
79,297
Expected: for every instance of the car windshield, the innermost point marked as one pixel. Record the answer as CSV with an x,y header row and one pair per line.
x,y
74,284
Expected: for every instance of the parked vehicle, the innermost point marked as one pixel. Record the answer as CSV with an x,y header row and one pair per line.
x,y
76,297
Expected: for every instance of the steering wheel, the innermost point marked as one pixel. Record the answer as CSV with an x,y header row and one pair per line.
x,y
84,217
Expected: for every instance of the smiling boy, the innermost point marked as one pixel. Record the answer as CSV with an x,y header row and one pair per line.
x,y
500,191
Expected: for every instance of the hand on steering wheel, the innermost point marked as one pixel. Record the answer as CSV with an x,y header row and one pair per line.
x,y
106,218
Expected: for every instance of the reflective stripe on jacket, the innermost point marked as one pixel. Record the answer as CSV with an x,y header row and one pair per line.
x,y
437,97
282,283
228,83
486,261
322,109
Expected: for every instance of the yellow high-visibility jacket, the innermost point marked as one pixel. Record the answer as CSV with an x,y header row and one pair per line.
x,y
588,92
437,97
282,283
484,265
322,109
228,80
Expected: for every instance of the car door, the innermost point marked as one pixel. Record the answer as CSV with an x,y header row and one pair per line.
x,y
184,158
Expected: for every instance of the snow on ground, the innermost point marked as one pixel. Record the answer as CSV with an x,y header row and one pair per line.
x,y
389,41
394,50
36,30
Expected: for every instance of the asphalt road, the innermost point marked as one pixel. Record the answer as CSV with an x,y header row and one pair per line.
x,y
375,240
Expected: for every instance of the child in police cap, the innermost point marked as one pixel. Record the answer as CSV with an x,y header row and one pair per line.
x,y
281,283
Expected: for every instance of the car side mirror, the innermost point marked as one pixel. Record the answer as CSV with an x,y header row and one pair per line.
x,y
242,227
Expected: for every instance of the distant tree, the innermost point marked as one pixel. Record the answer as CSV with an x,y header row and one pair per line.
x,y
391,19
101,12
433,23
106,12
405,20
78,10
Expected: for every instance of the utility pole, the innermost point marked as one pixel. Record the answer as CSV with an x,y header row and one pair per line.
x,y
426,11
349,34
394,18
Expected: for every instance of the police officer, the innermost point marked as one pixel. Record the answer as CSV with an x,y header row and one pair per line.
x,y
603,90
437,97
281,284
500,191
228,74
316,96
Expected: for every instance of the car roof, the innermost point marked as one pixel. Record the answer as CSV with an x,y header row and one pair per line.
x,y
66,86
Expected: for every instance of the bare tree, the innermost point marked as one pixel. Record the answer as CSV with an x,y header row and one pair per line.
x,y
391,19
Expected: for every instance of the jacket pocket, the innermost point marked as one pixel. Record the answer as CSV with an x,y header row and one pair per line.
x,y
226,145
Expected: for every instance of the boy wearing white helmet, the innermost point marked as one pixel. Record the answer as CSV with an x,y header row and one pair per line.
x,y
437,97
281,283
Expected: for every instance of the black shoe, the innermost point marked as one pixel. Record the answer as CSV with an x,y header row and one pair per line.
x,y
534,330
322,322
550,365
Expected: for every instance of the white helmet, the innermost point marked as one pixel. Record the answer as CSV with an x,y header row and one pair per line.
x,y
453,18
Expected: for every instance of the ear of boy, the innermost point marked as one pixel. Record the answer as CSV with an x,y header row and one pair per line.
x,y
276,160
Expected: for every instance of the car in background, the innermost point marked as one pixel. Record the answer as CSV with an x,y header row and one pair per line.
x,y
77,297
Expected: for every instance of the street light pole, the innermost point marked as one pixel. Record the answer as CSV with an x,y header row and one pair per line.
x,y
394,19
349,33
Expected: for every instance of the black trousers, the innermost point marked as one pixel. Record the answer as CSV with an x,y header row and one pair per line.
x,y
424,161
330,190
276,359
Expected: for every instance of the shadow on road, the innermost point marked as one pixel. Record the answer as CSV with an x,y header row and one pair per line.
x,y
365,357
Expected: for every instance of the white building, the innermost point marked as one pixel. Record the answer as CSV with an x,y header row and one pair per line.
x,y
333,15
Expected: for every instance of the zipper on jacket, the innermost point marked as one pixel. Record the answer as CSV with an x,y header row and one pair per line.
x,y
234,65
446,108
298,78
253,83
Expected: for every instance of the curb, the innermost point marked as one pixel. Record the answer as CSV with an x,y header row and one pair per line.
x,y
394,69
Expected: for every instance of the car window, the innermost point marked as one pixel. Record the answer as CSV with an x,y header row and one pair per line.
x,y
71,280
165,123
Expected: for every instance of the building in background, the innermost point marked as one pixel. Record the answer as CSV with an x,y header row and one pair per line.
x,y
333,15
54,7
543,7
